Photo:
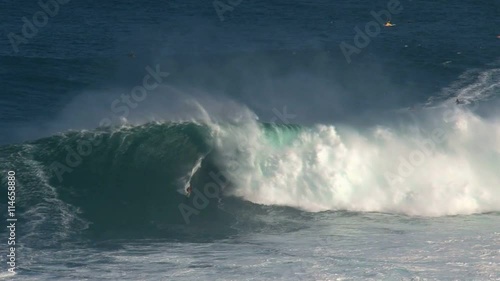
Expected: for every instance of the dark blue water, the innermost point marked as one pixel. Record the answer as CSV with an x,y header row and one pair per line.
x,y
378,164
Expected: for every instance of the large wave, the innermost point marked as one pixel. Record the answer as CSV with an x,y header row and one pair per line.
x,y
438,159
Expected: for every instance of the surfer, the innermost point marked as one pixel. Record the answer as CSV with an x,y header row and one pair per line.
x,y
388,23
458,101
188,191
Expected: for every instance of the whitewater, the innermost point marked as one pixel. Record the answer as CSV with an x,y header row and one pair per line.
x,y
424,173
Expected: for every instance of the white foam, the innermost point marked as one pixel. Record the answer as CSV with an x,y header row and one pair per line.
x,y
451,166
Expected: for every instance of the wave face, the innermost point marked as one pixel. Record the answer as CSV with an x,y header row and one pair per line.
x,y
114,179
133,177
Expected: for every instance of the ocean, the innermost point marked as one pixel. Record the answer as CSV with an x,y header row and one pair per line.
x,y
250,140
